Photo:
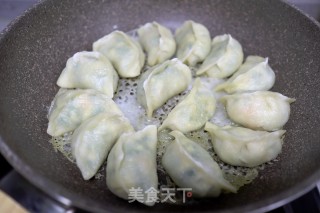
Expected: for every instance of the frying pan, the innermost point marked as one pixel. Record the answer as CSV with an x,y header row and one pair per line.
x,y
34,50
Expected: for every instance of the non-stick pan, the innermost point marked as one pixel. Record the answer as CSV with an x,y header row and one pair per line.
x,y
34,50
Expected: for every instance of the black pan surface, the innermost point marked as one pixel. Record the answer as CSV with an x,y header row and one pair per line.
x,y
34,50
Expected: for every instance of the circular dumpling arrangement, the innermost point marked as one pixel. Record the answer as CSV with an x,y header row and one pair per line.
x,y
100,132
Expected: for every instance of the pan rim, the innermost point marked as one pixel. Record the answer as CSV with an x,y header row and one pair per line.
x,y
70,199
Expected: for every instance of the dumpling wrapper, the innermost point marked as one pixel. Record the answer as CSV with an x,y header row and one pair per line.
x,y
124,53
224,59
193,42
193,111
89,70
261,110
240,146
132,163
71,107
191,166
254,75
93,139
162,82
157,41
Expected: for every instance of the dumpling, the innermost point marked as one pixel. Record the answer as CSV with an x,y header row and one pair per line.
x,y
240,146
191,166
193,42
162,82
125,54
157,41
255,74
224,59
261,110
89,70
132,163
71,107
93,139
192,112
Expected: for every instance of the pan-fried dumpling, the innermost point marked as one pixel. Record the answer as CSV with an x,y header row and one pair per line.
x,y
261,110
132,163
255,74
125,54
71,107
191,166
162,82
224,59
194,111
240,146
193,42
93,139
89,70
157,41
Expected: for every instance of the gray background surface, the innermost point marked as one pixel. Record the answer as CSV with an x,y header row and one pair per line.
x,y
9,9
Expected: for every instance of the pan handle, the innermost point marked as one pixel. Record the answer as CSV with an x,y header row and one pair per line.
x,y
9,205
30,197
